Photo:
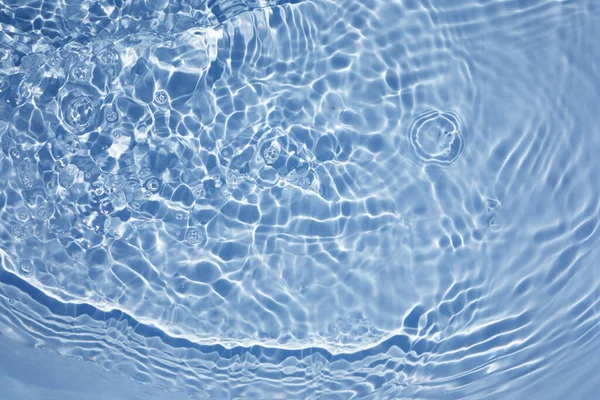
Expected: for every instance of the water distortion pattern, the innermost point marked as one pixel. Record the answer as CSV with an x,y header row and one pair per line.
x,y
304,199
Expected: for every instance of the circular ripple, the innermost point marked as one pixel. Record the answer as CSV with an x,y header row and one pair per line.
x,y
80,114
437,137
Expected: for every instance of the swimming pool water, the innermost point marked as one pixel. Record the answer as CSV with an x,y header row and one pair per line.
x,y
313,199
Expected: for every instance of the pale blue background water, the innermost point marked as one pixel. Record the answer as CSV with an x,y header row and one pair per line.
x,y
299,199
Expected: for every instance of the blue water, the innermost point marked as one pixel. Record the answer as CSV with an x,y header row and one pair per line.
x,y
306,199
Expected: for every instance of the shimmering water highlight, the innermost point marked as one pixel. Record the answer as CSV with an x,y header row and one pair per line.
x,y
271,199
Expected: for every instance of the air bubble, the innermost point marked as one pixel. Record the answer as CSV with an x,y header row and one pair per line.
x,y
152,185
218,181
271,153
53,60
138,224
19,232
111,116
81,72
42,213
180,216
22,214
233,179
436,137
80,113
226,153
24,92
26,268
161,97
73,146
194,236
200,193
492,204
15,153
494,224
107,57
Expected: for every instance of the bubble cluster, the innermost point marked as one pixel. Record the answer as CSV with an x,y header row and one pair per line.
x,y
194,236
81,72
436,137
107,57
161,97
271,153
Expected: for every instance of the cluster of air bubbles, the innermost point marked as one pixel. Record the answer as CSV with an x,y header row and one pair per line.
x,y
14,153
19,232
271,153
161,97
233,179
180,215
152,185
107,57
138,224
194,236
436,136
218,181
81,72
24,92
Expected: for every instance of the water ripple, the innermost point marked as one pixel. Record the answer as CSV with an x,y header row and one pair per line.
x,y
300,199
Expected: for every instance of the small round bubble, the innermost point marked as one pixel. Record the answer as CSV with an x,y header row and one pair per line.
x,y
111,116
42,213
26,268
233,179
152,185
107,57
271,154
161,97
193,236
22,214
80,72
15,153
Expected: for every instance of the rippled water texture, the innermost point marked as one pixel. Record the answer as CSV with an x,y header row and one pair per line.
x,y
270,199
